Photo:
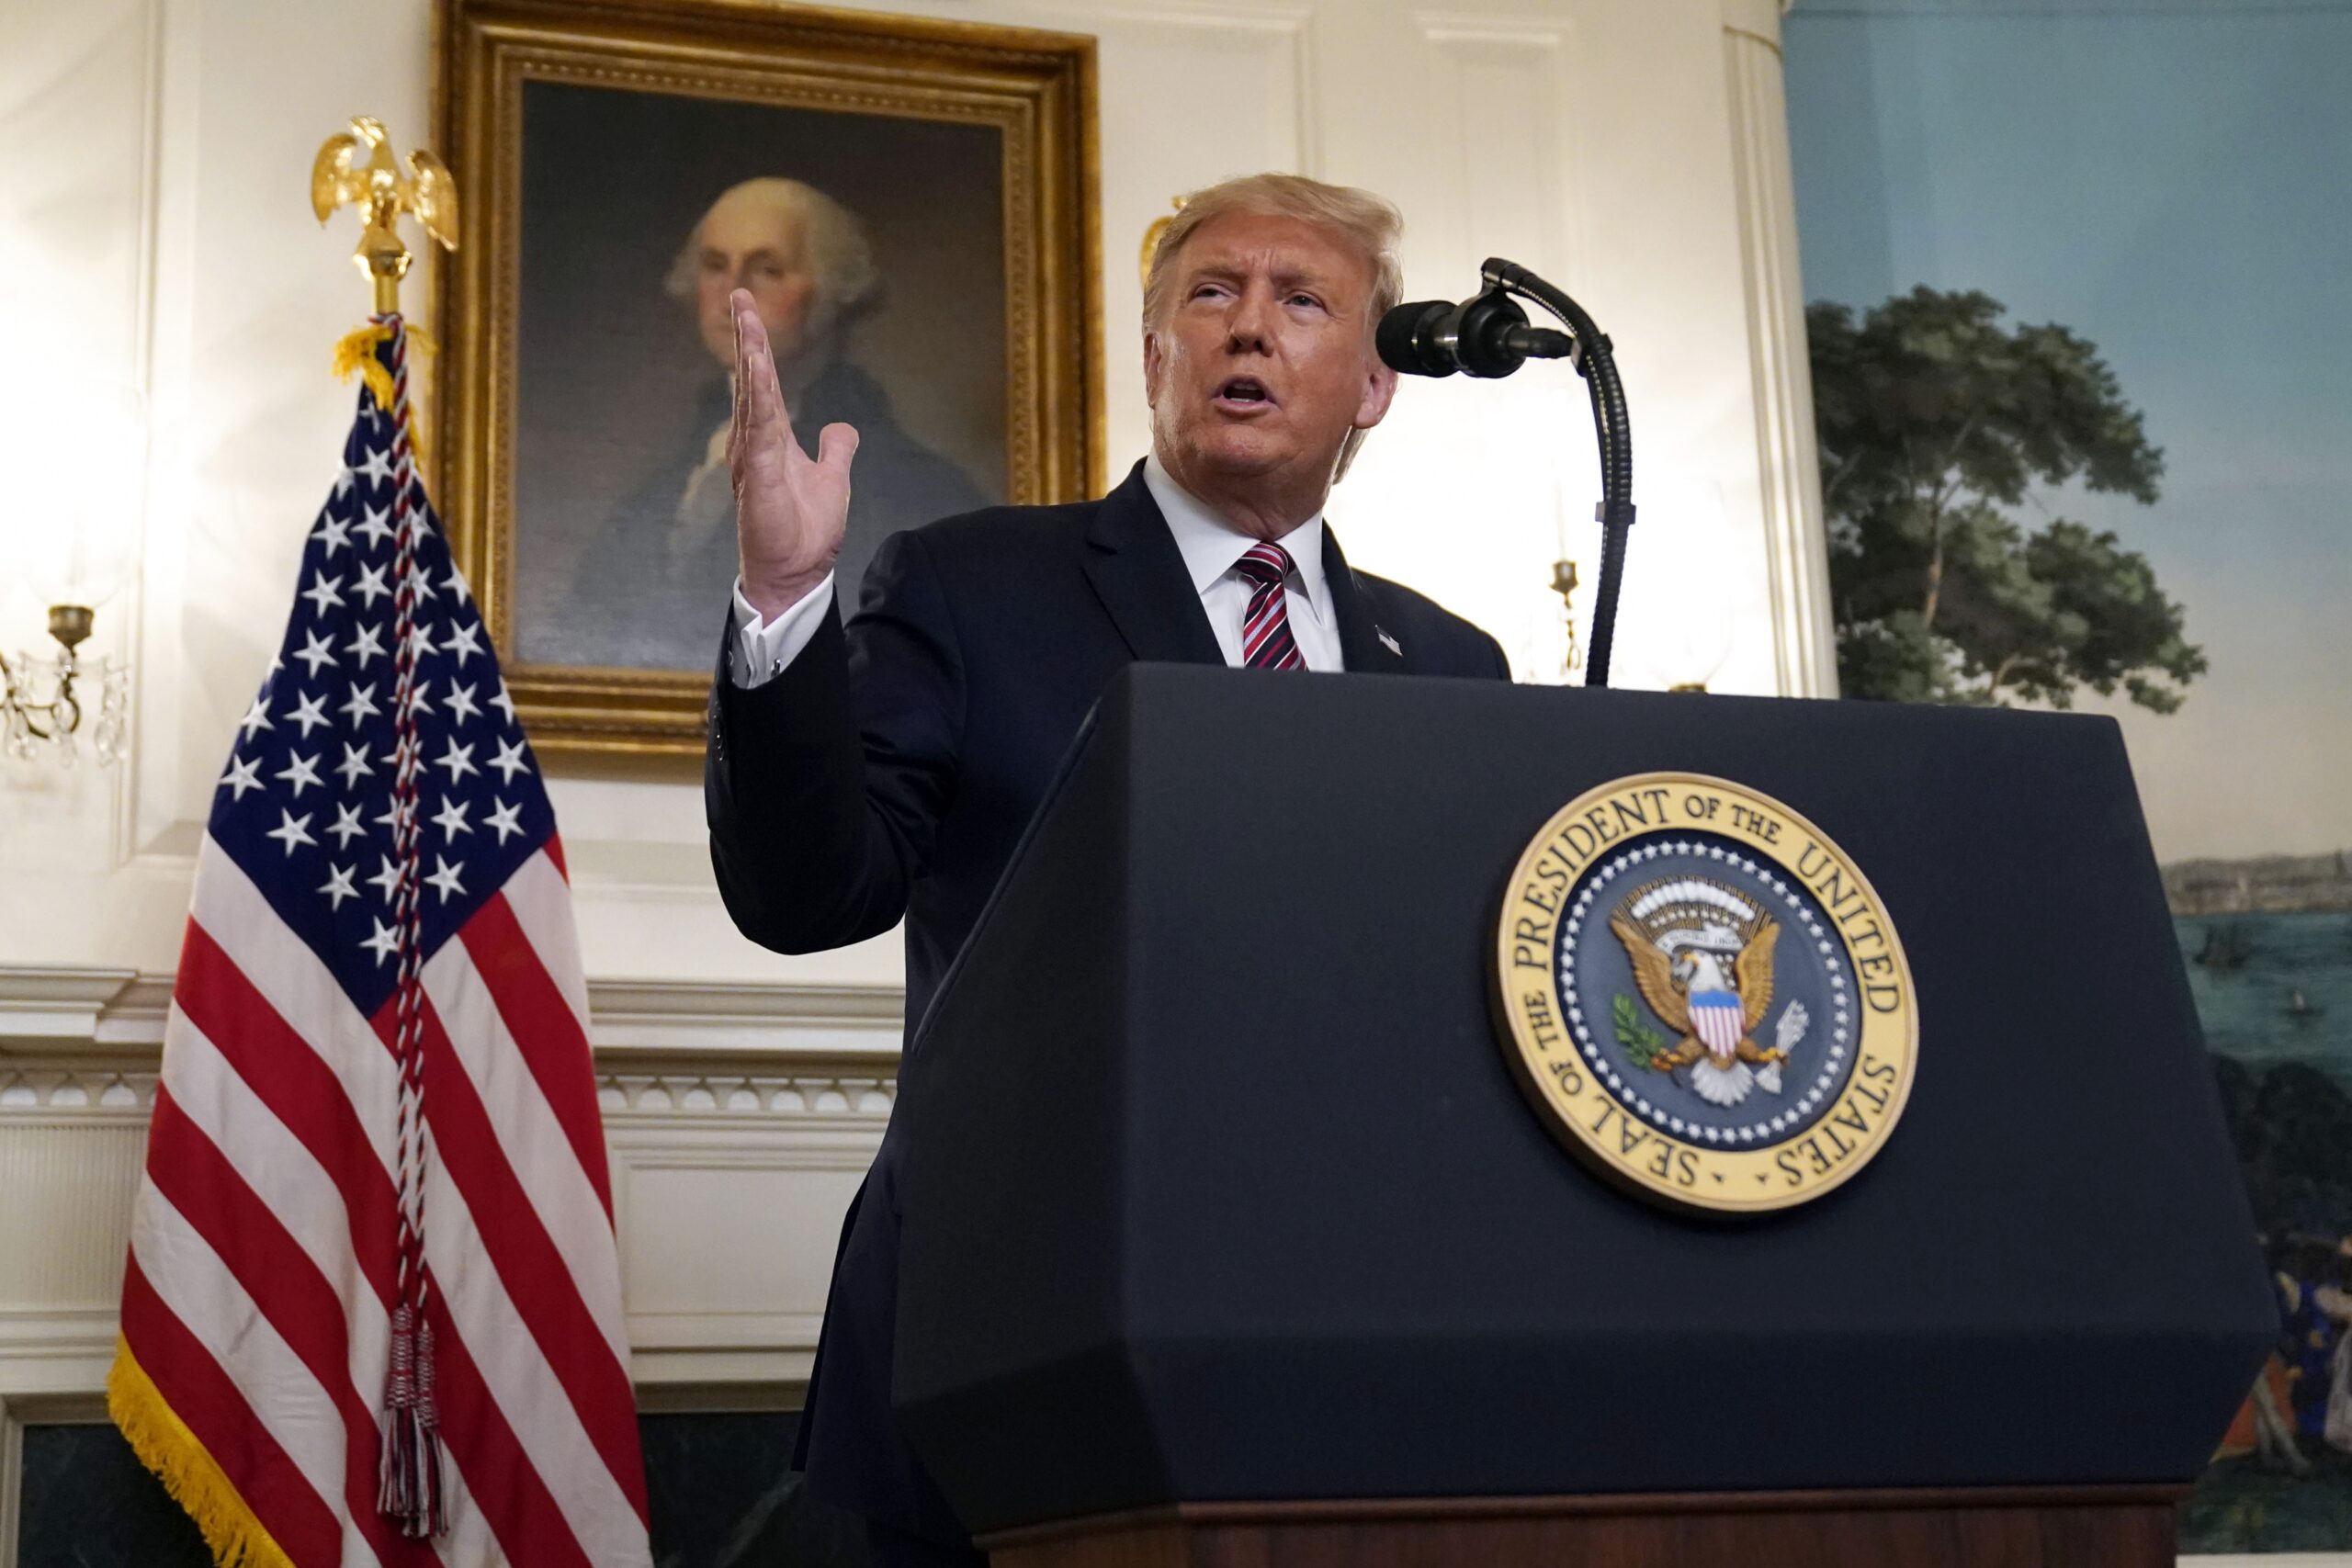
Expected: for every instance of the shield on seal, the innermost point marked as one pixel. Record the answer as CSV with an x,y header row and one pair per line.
x,y
1715,1016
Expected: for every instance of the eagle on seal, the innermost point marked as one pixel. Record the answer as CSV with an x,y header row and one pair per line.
x,y
1709,979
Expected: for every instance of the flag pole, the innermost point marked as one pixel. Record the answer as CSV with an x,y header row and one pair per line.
x,y
356,168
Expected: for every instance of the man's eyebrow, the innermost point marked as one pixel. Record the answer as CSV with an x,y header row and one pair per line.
x,y
1291,275
1217,269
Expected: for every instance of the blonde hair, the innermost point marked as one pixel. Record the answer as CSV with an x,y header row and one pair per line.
x,y
1368,223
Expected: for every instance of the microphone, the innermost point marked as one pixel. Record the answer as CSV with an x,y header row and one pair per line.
x,y
1484,336
1488,335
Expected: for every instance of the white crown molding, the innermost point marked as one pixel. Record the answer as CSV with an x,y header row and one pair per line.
x,y
717,1095
89,1018
710,1093
48,1008
632,1019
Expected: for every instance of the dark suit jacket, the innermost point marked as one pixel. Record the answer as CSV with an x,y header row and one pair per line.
x,y
889,772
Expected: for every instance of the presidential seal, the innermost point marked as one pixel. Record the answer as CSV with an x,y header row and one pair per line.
x,y
1703,996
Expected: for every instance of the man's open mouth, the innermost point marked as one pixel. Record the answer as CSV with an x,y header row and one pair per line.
x,y
1243,390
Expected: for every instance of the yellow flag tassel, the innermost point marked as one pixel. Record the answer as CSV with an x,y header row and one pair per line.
x,y
355,354
165,1446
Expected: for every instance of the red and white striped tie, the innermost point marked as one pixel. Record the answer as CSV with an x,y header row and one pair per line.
x,y
1266,642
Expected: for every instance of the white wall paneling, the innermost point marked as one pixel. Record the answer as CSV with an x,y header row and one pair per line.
x,y
79,89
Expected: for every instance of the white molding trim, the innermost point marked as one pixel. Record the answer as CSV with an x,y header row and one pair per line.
x,y
45,1008
56,1353
1760,19
147,308
90,1014
706,1094
734,1019
1294,24
1788,459
1511,28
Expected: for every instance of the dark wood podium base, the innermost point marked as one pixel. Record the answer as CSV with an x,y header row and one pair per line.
x,y
2111,1527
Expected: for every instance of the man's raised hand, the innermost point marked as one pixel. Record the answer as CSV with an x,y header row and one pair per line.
x,y
789,511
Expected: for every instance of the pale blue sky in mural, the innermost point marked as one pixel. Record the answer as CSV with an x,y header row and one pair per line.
x,y
2174,182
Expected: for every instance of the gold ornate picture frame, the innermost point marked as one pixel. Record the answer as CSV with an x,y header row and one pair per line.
x,y
623,163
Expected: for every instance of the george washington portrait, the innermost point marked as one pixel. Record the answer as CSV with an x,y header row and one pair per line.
x,y
872,247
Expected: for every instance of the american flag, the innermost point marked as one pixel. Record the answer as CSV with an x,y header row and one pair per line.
x,y
376,1106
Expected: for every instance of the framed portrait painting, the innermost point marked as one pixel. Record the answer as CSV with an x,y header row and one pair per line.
x,y
912,203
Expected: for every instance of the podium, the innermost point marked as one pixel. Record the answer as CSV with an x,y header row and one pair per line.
x,y
1229,1236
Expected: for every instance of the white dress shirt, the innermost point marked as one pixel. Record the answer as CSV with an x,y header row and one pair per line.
x,y
1210,547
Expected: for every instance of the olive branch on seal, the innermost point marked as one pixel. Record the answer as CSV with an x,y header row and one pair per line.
x,y
1642,1043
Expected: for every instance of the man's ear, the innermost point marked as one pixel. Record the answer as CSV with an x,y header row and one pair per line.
x,y
1379,390
1151,368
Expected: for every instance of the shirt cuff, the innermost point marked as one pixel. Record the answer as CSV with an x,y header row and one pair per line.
x,y
761,649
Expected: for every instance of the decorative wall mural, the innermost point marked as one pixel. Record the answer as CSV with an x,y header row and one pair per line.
x,y
2080,380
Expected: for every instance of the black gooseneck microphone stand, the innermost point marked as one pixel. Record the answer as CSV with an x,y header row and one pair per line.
x,y
1489,336
1593,361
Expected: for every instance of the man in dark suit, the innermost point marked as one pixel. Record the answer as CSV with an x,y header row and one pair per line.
x,y
883,771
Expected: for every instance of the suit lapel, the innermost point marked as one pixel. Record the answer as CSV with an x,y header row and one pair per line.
x,y
1138,574
1366,648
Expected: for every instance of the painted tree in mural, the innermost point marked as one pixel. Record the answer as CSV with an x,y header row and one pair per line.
x,y
1934,418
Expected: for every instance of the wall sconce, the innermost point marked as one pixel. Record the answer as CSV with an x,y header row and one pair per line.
x,y
44,701
74,463
1564,583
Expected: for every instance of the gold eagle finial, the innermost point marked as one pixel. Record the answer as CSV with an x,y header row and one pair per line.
x,y
356,168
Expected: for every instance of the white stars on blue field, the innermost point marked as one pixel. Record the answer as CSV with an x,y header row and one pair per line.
x,y
306,804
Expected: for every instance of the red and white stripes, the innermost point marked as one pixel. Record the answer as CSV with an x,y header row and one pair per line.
x,y
1266,639
265,1268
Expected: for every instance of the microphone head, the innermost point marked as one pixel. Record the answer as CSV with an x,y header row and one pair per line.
x,y
1412,338
1487,335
